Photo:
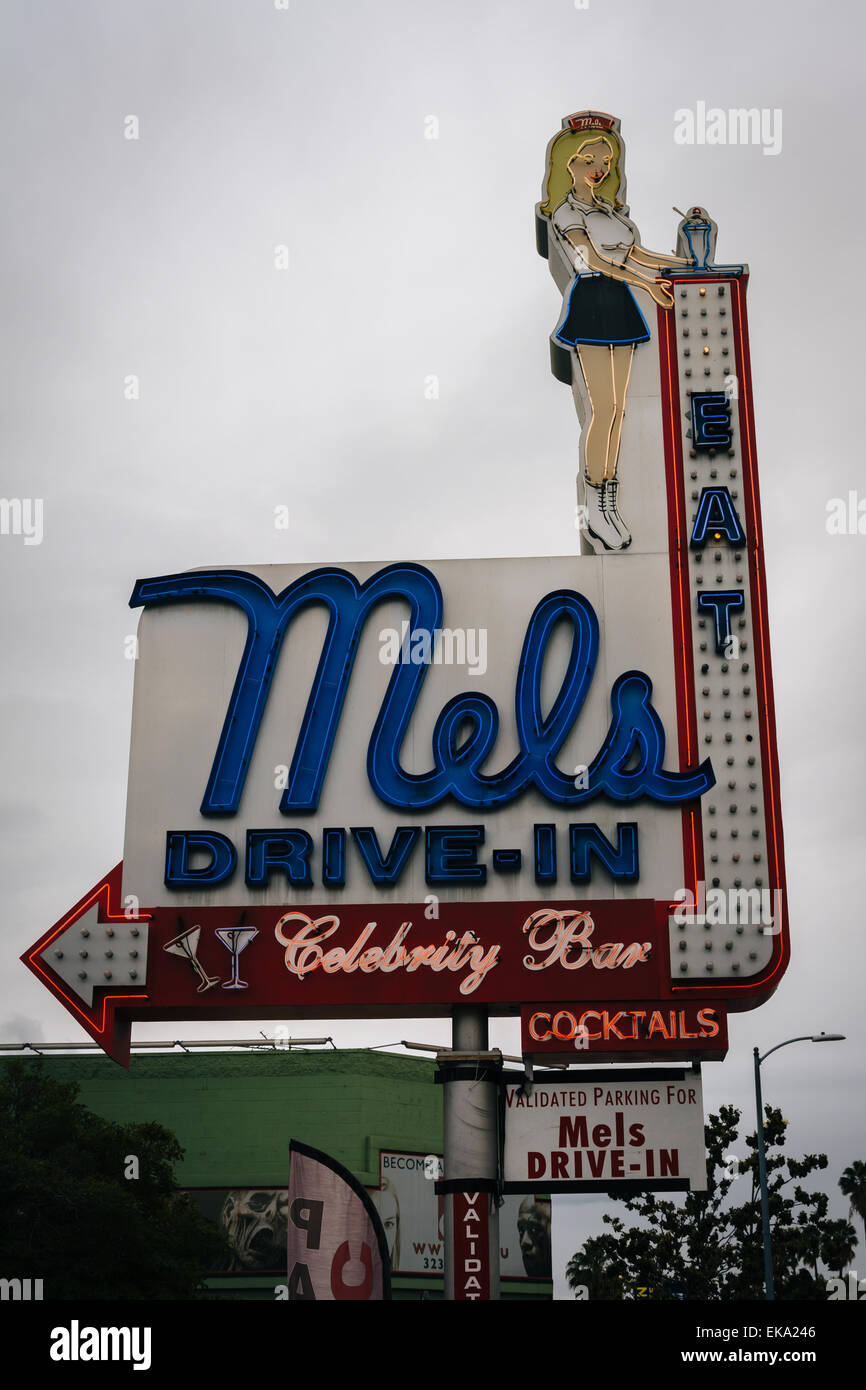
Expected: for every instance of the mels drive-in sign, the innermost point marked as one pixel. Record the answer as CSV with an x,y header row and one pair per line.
x,y
391,788
605,1131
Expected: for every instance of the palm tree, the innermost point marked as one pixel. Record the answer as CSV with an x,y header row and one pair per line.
x,y
836,1248
853,1186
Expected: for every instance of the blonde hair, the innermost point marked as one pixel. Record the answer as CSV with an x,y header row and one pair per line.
x,y
558,182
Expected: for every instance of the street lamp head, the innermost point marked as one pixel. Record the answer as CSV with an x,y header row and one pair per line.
x,y
829,1037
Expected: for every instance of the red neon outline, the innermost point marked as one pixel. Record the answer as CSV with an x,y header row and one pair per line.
x,y
687,717
101,894
758,593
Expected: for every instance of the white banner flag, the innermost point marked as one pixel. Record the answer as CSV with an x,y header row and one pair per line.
x,y
337,1249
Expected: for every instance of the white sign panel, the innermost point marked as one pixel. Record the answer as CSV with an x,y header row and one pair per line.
x,y
351,844
605,1129
413,1217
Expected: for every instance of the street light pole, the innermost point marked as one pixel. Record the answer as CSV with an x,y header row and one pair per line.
x,y
769,1284
769,1287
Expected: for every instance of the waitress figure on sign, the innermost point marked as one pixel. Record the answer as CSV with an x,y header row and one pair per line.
x,y
595,254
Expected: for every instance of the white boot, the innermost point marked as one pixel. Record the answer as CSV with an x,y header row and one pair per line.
x,y
602,533
610,491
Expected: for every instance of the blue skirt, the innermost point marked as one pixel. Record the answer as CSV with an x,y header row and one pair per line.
x,y
601,311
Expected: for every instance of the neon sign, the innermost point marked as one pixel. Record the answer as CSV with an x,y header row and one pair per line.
x,y
627,766
382,834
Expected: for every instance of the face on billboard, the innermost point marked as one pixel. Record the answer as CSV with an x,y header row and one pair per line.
x,y
387,1204
255,1222
533,1226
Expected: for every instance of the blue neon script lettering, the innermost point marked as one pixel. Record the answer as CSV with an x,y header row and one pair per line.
x,y
628,765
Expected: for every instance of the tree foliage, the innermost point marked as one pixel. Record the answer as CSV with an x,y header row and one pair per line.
x,y
853,1185
711,1247
70,1217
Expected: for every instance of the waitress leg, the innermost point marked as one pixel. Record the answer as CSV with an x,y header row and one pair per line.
x,y
597,366
621,360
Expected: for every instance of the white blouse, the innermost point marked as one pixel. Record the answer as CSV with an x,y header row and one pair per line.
x,y
612,235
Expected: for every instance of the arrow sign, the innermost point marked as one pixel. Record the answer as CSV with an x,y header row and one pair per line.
x,y
330,961
94,960
347,961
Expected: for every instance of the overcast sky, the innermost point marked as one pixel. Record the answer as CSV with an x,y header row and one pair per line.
x,y
407,257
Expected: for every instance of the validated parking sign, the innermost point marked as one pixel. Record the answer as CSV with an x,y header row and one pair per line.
x,y
593,1131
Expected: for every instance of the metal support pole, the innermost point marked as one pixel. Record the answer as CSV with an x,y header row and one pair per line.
x,y
471,1130
769,1288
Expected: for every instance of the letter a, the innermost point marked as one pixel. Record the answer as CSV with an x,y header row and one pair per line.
x,y
684,130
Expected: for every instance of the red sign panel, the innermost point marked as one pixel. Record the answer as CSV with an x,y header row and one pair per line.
x,y
471,1246
605,1031
326,962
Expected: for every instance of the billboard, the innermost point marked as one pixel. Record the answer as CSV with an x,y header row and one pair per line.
x,y
255,1221
413,1216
